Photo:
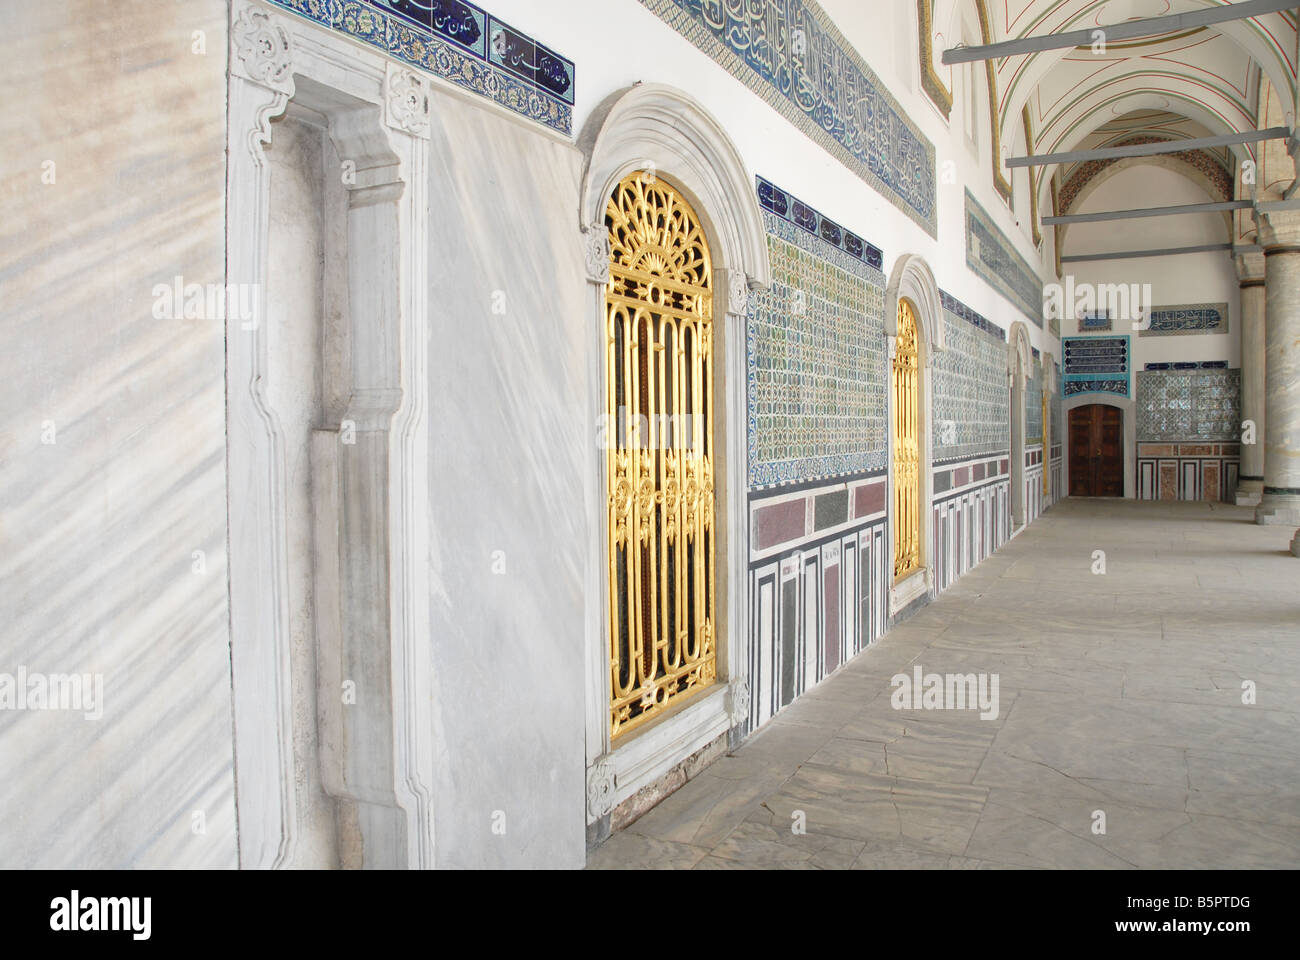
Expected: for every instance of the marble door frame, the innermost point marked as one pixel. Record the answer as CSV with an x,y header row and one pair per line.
x,y
1128,412
378,112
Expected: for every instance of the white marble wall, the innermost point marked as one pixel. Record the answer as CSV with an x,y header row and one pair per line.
x,y
298,156
508,404
99,528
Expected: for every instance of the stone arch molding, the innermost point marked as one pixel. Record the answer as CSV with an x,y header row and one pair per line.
x,y
657,127
913,280
370,497
1019,352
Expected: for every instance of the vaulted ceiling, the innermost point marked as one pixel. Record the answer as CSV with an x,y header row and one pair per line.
x,y
1193,83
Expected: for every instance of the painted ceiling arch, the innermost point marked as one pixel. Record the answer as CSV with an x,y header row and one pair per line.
x,y
1197,167
1223,57
1146,118
1210,77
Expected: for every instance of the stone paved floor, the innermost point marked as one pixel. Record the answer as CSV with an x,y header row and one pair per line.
x,y
1120,693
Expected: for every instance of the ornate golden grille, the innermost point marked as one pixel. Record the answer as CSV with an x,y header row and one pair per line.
x,y
907,446
659,457
1047,449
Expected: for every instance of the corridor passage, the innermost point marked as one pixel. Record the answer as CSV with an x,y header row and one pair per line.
x,y
1120,707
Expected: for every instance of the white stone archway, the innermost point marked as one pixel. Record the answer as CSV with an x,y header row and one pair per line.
x,y
657,127
912,280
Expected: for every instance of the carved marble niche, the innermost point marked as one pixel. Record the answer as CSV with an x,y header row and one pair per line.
x,y
327,456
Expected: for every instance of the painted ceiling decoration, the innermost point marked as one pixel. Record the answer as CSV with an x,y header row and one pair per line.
x,y
1202,161
1000,180
1190,83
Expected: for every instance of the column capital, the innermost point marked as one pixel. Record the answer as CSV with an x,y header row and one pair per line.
x,y
596,253
736,285
1250,269
260,49
1279,231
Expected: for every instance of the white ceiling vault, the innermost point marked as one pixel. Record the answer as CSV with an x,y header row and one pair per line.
x,y
1194,83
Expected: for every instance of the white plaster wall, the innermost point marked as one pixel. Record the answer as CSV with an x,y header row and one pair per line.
x,y
508,395
615,43
1192,278
98,529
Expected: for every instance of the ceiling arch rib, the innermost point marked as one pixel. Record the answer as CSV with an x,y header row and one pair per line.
x,y
1197,166
1099,123
1268,42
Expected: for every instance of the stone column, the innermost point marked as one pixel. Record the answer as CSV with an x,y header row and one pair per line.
x,y
1250,274
1279,235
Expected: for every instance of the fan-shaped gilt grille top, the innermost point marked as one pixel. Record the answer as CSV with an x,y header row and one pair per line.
x,y
658,251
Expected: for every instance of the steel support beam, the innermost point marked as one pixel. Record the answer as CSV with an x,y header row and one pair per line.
x,y
1139,254
1277,206
1116,32
1151,149
1174,210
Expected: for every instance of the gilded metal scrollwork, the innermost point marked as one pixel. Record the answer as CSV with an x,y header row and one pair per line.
x,y
659,394
907,445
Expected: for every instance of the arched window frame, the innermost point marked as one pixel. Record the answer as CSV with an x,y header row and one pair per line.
x,y
913,281
660,129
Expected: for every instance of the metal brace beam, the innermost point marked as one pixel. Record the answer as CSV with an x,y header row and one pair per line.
x,y
1172,210
1151,26
1151,149
1138,254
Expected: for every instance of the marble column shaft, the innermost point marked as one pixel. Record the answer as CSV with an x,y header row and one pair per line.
x,y
1279,235
1250,271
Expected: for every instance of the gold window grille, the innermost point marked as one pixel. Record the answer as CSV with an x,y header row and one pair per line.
x,y
907,445
659,454
1047,439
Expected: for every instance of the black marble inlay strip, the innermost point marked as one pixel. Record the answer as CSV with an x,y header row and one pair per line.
x,y
781,489
956,307
785,206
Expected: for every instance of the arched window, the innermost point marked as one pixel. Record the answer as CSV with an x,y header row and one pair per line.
x,y
907,444
1047,436
660,454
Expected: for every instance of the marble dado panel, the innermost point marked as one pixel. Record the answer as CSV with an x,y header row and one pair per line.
x,y
1195,318
950,479
1188,471
994,258
1189,405
971,404
814,607
816,362
780,523
789,53
970,522
1096,365
460,43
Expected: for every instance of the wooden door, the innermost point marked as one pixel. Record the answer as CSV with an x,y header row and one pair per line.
x,y
1096,451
